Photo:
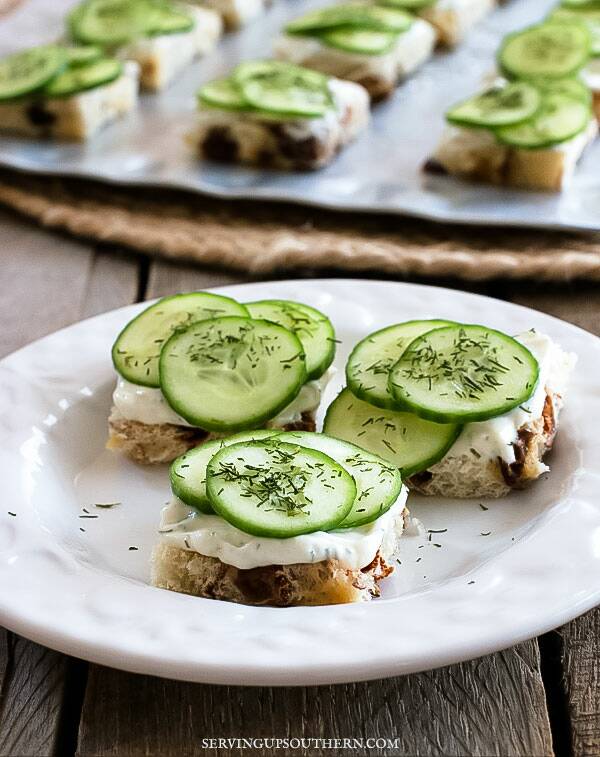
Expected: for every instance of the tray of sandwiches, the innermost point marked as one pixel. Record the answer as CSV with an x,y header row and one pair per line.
x,y
464,111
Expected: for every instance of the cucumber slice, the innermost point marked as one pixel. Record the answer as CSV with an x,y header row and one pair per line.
x,y
370,362
275,489
164,18
589,16
581,4
463,373
409,5
378,484
82,77
82,55
363,17
365,42
499,106
403,439
552,49
30,70
560,118
313,329
188,472
232,373
136,350
222,93
109,23
573,88
283,88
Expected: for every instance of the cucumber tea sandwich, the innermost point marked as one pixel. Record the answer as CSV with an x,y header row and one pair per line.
x,y
199,366
293,518
236,13
278,115
373,45
62,92
532,127
163,37
462,410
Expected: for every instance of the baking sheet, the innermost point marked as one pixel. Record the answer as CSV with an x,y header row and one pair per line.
x,y
381,172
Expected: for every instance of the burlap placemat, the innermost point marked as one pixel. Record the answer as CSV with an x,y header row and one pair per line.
x,y
260,238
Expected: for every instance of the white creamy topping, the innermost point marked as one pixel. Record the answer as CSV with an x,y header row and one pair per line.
x,y
494,438
411,49
211,535
147,404
591,74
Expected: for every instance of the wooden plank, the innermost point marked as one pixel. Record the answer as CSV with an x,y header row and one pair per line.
x,y
578,643
46,282
492,706
170,278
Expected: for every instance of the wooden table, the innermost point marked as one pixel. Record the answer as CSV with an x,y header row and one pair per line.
x,y
539,698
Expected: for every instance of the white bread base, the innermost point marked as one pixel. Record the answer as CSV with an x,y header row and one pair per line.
x,y
157,443
284,143
476,154
468,476
164,57
323,583
454,18
76,118
237,13
378,74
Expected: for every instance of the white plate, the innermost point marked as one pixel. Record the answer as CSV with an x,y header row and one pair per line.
x,y
380,172
87,593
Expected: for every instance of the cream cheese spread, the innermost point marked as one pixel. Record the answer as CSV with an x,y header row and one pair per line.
x,y
186,528
148,405
494,438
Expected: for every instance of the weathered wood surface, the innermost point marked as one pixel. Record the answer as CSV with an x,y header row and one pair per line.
x,y
495,705
46,282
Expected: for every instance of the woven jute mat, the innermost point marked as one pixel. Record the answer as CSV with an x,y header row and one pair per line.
x,y
260,238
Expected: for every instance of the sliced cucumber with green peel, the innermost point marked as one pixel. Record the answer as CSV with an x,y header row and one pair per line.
x,y
499,106
109,23
363,17
81,78
409,5
590,17
559,119
188,472
164,18
378,484
463,373
581,4
231,373
313,329
403,439
223,93
29,71
363,42
552,50
279,490
82,55
284,88
371,360
573,88
136,350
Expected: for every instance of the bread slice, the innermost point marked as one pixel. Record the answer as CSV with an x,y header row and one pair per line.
x,y
163,57
238,13
76,118
477,154
155,443
454,18
378,74
322,583
285,143
468,476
